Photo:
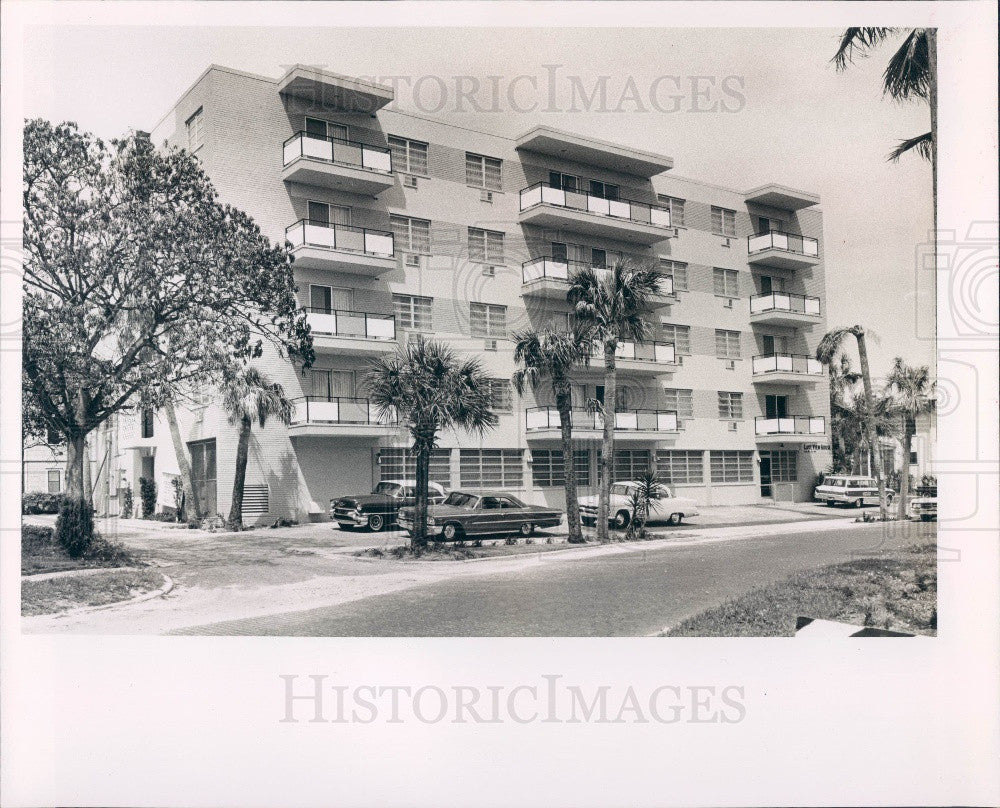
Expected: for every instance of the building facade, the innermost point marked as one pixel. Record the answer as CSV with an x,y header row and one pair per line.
x,y
402,225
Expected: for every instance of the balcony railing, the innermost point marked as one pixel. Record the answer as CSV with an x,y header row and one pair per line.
x,y
640,212
544,268
354,324
790,425
337,151
660,353
787,363
342,237
542,418
787,242
783,301
338,410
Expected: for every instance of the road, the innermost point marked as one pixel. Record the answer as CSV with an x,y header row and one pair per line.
x,y
635,593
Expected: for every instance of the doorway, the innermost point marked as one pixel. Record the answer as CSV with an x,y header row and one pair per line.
x,y
775,406
203,472
766,489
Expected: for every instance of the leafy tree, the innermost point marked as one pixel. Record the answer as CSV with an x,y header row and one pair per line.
x,y
250,396
611,306
135,275
430,389
552,355
912,390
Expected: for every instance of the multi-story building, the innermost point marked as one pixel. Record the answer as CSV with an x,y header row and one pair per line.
x,y
401,224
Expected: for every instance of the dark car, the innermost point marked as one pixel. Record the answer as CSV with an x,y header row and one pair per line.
x,y
380,508
467,513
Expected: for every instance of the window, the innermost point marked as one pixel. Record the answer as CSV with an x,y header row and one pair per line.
x,y
486,320
485,246
676,208
52,437
913,458
677,270
196,131
730,406
679,335
548,468
53,481
483,172
147,423
784,466
725,282
677,467
501,399
408,156
401,464
631,464
727,344
318,128
604,190
599,258
680,401
491,468
413,312
412,235
723,221
731,467
565,182
323,213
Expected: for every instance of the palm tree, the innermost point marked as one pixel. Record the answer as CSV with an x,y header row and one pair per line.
x,y
611,308
191,500
642,501
851,429
430,389
827,352
843,378
250,396
552,355
912,391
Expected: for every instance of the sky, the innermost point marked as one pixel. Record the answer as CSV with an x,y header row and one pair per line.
x,y
733,107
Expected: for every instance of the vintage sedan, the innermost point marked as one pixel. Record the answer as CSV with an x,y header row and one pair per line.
x,y
381,507
481,513
923,506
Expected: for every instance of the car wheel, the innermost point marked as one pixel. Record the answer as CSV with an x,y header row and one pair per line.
x,y
527,529
925,517
451,531
621,520
674,519
829,503
588,522
859,503
376,522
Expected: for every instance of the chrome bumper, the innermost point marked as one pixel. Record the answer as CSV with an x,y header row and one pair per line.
x,y
406,524
350,518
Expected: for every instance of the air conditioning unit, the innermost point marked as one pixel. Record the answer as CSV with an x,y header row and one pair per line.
x,y
729,303
490,345
412,260
489,271
678,359
676,232
731,364
409,181
727,242
733,426
486,196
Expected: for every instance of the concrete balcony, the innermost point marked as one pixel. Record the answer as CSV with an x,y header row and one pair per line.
x,y
789,429
550,278
645,358
580,212
561,145
781,196
542,423
340,165
338,417
785,309
784,368
318,245
782,250
323,89
352,333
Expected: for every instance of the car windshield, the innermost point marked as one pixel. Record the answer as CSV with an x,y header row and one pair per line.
x,y
835,482
621,489
386,488
460,500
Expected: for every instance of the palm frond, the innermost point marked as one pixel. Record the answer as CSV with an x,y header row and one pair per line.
x,y
921,143
908,73
858,41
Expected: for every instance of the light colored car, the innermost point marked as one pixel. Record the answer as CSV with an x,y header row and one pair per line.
x,y
666,508
924,505
850,489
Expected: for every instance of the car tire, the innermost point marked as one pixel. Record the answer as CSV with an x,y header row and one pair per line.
x,y
674,519
829,503
376,522
526,529
451,531
859,503
621,520
925,517
588,522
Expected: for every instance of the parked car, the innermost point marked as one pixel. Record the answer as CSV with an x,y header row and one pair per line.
x,y
467,513
850,489
667,508
924,505
380,508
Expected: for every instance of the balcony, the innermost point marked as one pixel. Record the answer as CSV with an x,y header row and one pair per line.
x,y
783,308
630,425
340,165
646,357
785,368
354,333
323,89
783,250
550,278
789,429
781,196
338,416
580,212
318,245
588,151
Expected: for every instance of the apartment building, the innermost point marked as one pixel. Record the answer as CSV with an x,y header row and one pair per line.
x,y
403,225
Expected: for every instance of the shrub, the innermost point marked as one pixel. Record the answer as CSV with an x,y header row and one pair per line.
x,y
75,526
510,540
35,502
109,553
147,495
35,537
477,543
127,502
178,487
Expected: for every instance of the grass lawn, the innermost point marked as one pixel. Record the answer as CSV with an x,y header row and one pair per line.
x,y
896,590
108,586
40,553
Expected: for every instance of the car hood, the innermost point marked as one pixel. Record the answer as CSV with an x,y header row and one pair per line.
x,y
361,500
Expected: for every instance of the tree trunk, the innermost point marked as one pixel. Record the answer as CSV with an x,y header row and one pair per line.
x,y
869,419
419,538
564,405
192,505
608,445
933,100
235,521
75,451
88,472
904,474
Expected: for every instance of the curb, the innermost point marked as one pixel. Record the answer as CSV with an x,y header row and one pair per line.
x,y
81,573
168,585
